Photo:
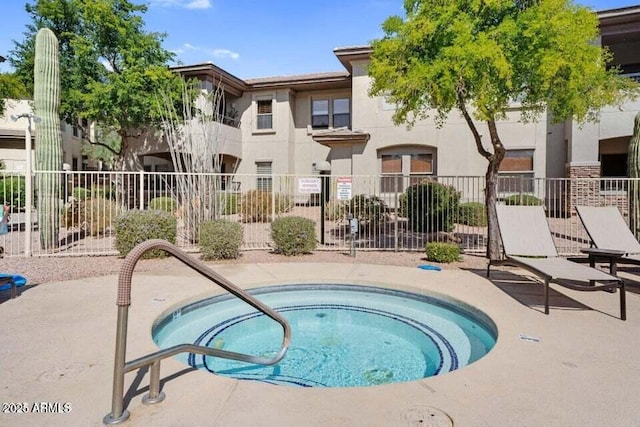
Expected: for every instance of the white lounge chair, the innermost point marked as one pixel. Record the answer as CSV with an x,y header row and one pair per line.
x,y
608,230
527,243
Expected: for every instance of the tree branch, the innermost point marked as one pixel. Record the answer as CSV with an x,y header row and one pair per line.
x,y
84,132
474,130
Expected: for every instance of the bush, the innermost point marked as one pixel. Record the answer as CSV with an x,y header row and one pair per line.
x,y
91,215
336,210
368,209
166,204
522,200
80,193
442,252
134,227
473,214
293,235
230,204
257,205
12,192
431,206
220,239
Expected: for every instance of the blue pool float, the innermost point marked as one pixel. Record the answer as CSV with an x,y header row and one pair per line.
x,y
20,281
429,267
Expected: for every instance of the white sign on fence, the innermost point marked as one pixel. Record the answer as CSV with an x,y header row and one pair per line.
x,y
344,187
309,185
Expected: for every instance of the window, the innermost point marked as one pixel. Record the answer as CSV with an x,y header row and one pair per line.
x,y
326,113
391,180
420,167
264,182
320,113
264,114
341,115
516,172
395,167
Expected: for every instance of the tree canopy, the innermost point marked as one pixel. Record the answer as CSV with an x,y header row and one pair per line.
x,y
111,67
11,87
482,57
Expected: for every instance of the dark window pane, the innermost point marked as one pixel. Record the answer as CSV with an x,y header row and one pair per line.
x,y
341,120
321,122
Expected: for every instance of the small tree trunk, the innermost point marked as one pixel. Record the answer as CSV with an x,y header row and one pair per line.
x,y
490,196
491,192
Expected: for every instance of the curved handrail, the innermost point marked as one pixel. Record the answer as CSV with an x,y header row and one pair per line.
x,y
123,301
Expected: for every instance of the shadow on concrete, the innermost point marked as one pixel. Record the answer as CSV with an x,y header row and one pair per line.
x,y
528,291
6,294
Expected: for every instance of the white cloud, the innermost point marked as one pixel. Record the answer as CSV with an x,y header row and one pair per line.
x,y
226,53
198,4
217,53
187,4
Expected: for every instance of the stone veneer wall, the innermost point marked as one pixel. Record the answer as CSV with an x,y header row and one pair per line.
x,y
587,191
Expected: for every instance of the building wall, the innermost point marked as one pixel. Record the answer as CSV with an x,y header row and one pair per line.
x,y
12,150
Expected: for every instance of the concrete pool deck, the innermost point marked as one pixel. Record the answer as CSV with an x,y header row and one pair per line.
x,y
578,366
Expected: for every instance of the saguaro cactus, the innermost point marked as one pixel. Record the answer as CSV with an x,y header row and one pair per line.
x,y
633,166
48,150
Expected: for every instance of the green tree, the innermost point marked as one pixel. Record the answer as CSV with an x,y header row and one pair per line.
x,y
480,56
111,68
11,87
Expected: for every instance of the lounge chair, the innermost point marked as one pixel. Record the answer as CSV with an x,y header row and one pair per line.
x,y
527,243
607,229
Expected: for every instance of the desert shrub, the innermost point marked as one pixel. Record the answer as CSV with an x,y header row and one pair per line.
x,y
220,239
93,215
80,193
134,227
103,192
402,202
257,205
442,252
522,200
473,214
12,192
368,209
336,210
431,206
293,235
230,203
167,204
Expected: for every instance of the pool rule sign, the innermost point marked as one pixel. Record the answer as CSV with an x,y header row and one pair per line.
x,y
344,187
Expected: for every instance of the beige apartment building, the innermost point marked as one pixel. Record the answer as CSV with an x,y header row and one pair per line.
x,y
13,142
306,123
326,122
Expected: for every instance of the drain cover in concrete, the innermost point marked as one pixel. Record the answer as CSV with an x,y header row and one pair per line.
x,y
426,416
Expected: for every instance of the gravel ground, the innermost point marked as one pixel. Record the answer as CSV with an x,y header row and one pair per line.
x,y
39,270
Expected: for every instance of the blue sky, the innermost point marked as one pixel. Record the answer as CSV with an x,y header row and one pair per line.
x,y
257,38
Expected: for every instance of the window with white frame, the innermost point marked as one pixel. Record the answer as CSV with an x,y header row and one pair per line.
x,y
265,179
330,113
320,113
264,114
516,171
341,113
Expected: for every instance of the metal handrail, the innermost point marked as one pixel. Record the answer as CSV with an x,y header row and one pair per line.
x,y
118,414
